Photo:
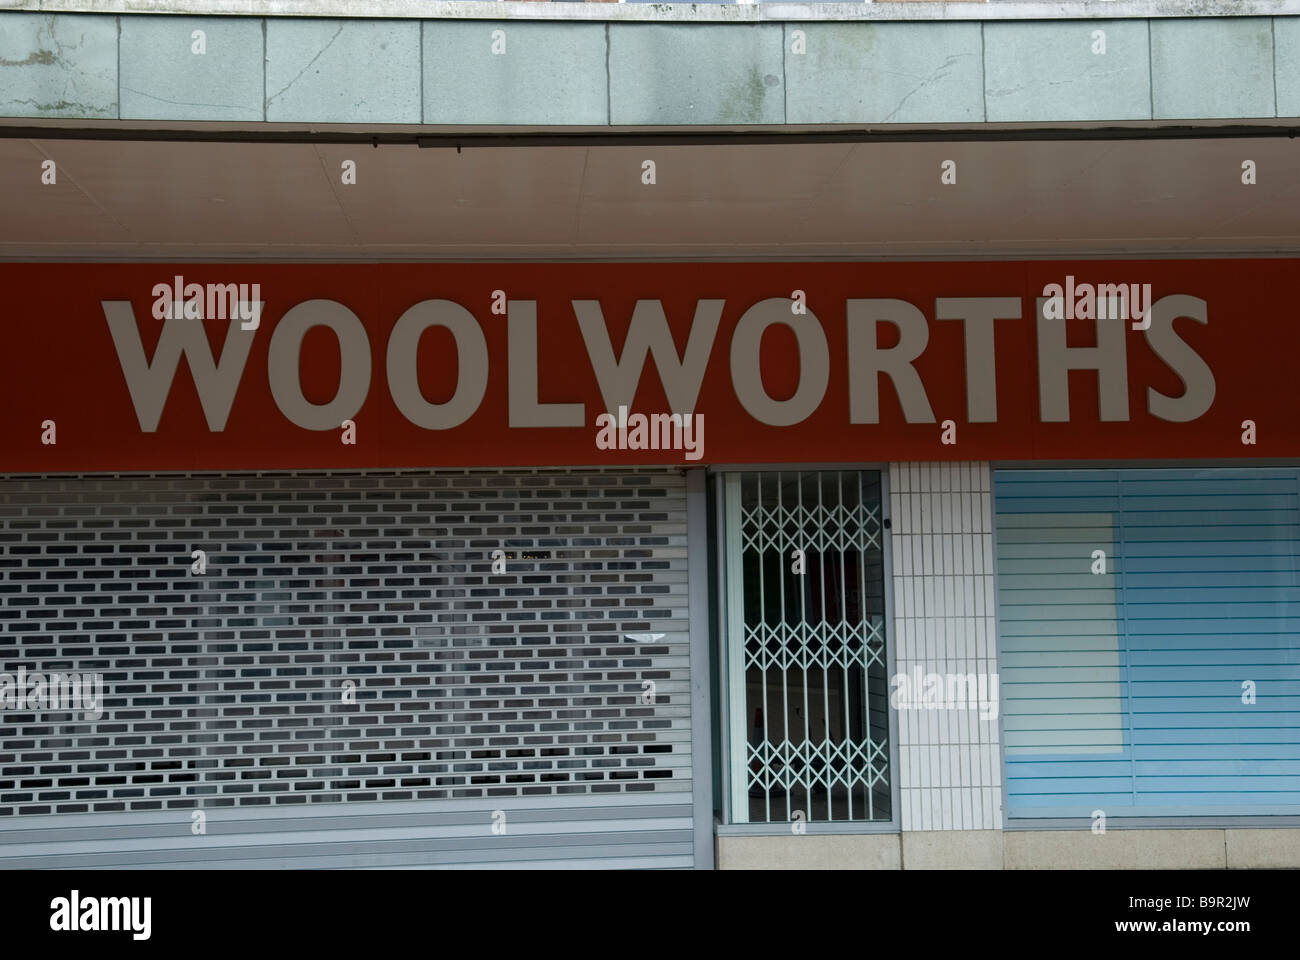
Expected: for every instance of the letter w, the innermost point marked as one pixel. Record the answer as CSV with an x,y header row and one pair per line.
x,y
150,383
649,333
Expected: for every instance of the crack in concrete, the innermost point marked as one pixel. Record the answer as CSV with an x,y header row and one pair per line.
x,y
81,109
183,103
51,52
1106,74
938,74
307,67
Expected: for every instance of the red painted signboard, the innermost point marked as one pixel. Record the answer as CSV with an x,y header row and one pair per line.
x,y
239,366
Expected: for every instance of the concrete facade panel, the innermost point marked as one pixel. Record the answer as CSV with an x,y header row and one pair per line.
x,y
883,73
486,71
342,71
165,78
1067,71
58,66
709,73
1286,38
1212,68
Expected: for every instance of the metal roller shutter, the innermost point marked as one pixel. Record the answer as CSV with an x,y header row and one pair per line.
x,y
1170,683
516,701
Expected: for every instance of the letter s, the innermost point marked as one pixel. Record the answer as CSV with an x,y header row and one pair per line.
x,y
1198,379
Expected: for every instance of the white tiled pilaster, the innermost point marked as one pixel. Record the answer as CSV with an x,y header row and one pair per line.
x,y
950,775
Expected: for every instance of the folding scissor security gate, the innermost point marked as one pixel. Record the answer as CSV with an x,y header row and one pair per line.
x,y
464,668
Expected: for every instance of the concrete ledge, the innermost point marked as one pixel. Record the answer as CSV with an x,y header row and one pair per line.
x,y
1190,849
1274,849
864,851
1115,850
745,73
733,12
952,849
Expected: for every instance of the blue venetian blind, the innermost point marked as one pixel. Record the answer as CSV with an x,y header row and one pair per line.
x,y
1127,690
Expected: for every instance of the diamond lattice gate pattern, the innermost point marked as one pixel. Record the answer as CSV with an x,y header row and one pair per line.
x,y
350,681
808,697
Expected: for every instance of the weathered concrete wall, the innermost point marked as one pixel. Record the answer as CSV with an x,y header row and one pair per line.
x,y
731,11
488,72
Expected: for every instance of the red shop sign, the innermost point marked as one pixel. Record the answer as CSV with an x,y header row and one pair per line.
x,y
253,366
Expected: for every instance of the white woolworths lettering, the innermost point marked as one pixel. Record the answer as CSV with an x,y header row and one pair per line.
x,y
814,363
867,360
1109,359
471,350
150,381
282,364
216,381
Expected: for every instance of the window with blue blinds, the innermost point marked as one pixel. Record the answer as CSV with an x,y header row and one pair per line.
x,y
1149,641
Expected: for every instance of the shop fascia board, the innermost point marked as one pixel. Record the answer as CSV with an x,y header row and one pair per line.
x,y
741,12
